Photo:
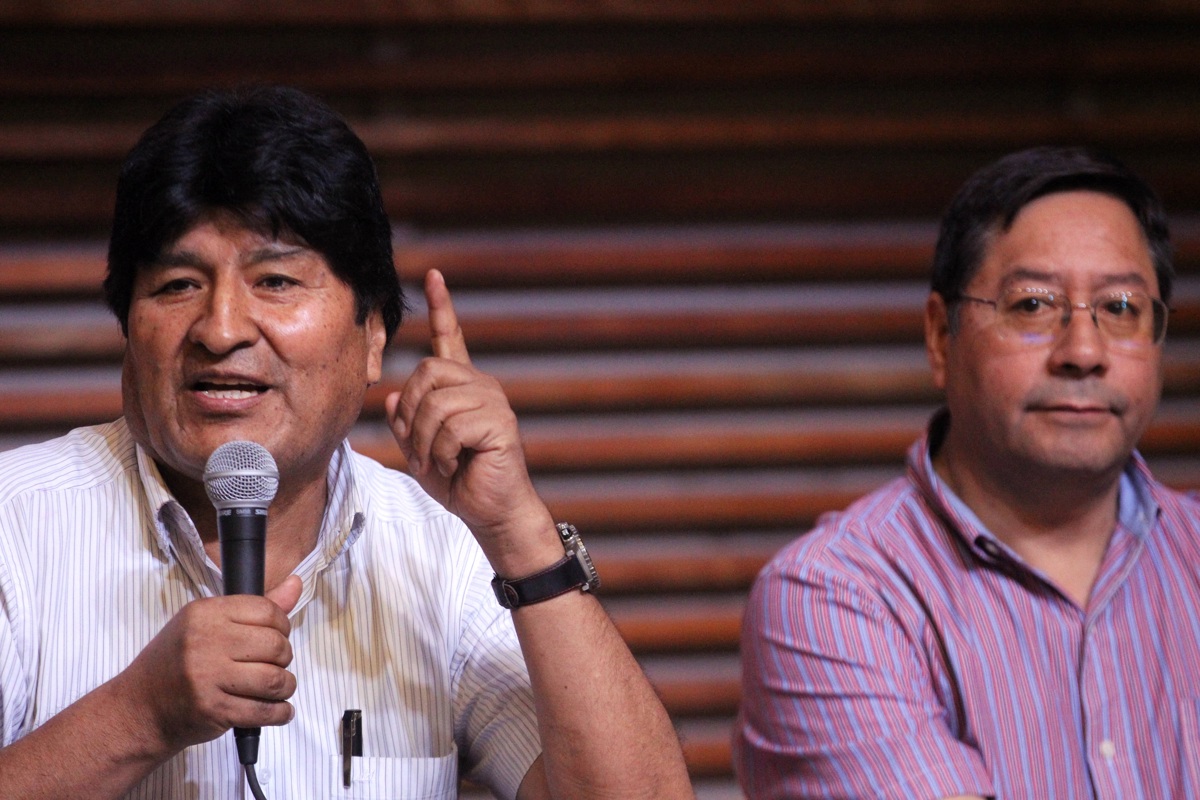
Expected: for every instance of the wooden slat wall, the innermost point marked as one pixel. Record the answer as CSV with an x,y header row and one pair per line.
x,y
691,238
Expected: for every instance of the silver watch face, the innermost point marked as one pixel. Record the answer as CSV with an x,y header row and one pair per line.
x,y
573,544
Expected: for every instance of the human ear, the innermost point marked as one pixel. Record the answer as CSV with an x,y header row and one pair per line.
x,y
937,336
376,335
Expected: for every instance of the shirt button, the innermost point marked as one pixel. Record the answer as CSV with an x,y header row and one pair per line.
x,y
1108,750
988,546
264,774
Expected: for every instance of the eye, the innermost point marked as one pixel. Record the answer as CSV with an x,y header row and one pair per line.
x,y
174,286
1029,304
277,282
1120,306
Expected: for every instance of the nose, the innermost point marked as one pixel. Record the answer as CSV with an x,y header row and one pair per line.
x,y
1080,349
226,321
1087,308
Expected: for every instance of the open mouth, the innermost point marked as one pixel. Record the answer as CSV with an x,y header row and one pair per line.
x,y
228,391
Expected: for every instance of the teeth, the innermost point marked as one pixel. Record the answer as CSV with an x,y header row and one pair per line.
x,y
229,394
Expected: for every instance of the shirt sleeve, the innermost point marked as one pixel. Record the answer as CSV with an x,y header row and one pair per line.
x,y
838,700
495,721
13,680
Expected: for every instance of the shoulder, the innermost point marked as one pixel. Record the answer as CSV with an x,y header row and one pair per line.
x,y
1178,517
856,541
403,522
392,495
889,555
421,555
86,458
1184,504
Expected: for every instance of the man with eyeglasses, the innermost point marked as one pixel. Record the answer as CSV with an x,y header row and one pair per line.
x,y
1019,616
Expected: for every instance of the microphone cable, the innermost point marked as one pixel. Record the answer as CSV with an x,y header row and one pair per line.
x,y
252,779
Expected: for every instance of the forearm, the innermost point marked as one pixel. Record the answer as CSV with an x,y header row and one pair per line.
x,y
95,748
604,731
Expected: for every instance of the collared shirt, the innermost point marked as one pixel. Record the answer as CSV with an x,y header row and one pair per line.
x,y
396,618
900,650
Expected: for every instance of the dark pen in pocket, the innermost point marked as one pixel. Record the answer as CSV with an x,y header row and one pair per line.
x,y
351,740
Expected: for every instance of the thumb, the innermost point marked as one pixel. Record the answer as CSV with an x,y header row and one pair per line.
x,y
286,594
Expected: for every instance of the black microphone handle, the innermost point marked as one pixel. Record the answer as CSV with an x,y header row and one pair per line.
x,y
243,534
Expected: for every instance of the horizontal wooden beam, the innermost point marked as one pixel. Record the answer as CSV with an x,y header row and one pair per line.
x,y
708,748
692,254
359,12
764,438
663,132
683,562
613,189
696,685
695,254
679,624
368,58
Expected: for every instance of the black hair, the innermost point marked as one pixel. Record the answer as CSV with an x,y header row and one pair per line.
x,y
283,163
991,199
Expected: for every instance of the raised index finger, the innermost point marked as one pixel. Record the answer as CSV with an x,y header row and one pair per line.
x,y
445,334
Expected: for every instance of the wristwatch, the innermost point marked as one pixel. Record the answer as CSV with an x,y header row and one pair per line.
x,y
574,571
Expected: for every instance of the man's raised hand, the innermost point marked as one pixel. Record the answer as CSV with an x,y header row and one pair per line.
x,y
459,435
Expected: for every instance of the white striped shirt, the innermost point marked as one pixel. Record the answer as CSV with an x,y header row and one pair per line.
x,y
396,618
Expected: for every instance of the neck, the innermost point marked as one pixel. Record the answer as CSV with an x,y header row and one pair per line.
x,y
1058,523
293,524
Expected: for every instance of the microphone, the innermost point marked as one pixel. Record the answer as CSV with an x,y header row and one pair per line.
x,y
241,479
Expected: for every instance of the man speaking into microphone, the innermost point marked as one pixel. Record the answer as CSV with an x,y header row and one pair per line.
x,y
415,629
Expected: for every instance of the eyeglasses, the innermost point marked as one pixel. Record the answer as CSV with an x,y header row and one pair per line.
x,y
1038,315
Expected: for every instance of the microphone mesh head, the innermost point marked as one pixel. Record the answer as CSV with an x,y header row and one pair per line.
x,y
241,474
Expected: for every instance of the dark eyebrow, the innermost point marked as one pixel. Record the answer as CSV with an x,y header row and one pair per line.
x,y
275,253
1028,274
1127,277
177,258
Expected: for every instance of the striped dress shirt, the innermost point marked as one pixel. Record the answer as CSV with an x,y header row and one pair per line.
x,y
397,618
902,651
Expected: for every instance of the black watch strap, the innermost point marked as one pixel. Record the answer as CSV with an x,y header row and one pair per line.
x,y
574,571
558,578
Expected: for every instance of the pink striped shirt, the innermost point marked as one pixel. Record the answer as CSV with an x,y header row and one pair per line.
x,y
901,651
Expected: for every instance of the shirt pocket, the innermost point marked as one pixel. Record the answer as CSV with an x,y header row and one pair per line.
x,y
396,778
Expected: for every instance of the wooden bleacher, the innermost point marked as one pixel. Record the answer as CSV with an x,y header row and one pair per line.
x,y
691,238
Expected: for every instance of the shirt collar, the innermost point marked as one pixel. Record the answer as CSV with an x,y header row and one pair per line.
x,y
176,534
344,513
